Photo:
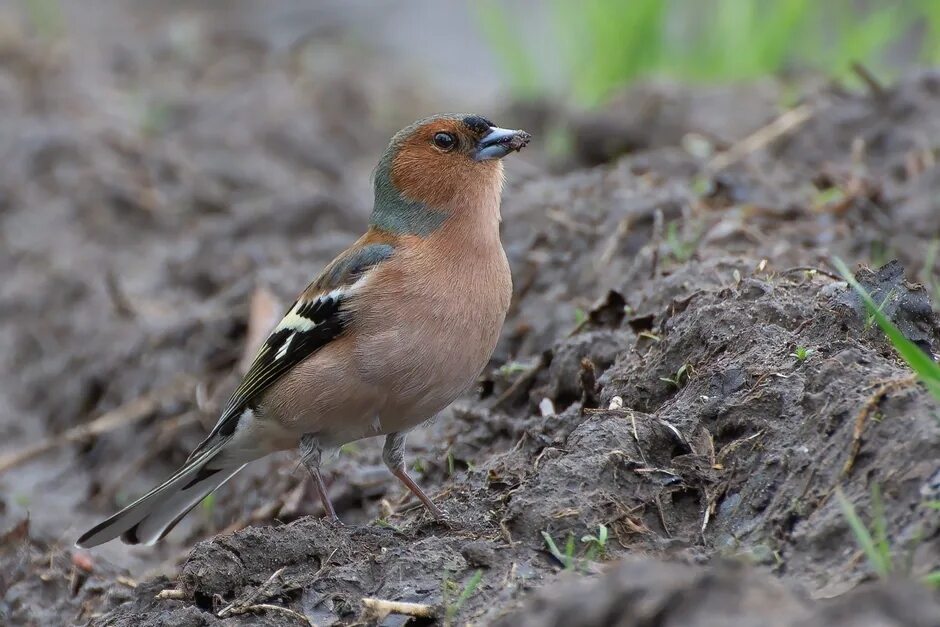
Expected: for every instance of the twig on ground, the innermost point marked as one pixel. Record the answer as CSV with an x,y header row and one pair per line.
x,y
524,379
662,515
267,589
505,533
861,420
563,219
873,84
732,446
785,124
171,594
274,586
613,243
710,502
831,275
377,609
126,414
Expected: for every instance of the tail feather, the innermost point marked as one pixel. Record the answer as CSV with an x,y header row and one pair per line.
x,y
149,518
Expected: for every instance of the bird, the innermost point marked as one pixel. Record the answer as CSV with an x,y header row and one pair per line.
x,y
391,332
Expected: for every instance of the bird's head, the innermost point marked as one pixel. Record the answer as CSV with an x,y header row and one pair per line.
x,y
438,167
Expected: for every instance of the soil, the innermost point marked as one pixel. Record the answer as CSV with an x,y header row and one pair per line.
x,y
158,212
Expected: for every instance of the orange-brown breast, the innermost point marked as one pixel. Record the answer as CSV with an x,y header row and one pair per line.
x,y
424,328
426,334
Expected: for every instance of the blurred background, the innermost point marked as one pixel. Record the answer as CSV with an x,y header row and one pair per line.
x,y
560,55
172,172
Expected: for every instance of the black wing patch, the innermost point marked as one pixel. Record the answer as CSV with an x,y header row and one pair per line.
x,y
306,328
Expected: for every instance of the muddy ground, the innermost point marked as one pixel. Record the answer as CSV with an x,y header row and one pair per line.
x,y
158,212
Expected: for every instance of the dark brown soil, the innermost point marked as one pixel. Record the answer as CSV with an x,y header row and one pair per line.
x,y
646,380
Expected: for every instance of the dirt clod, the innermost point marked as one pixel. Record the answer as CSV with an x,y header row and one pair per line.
x,y
907,306
642,593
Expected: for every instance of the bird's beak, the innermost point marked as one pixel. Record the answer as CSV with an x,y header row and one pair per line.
x,y
499,142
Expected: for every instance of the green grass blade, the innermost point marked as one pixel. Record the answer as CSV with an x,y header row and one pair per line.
x,y
569,551
553,549
496,24
465,594
930,46
863,536
879,521
926,368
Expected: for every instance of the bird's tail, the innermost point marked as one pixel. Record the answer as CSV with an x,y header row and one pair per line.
x,y
152,516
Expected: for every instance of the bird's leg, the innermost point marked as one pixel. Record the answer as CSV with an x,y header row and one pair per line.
x,y
394,457
310,453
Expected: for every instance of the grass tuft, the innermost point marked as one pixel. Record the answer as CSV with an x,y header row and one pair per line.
x,y
801,353
595,548
566,559
596,543
606,44
680,377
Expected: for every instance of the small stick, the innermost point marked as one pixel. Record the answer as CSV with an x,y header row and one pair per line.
x,y
873,84
708,511
270,588
239,607
831,275
381,608
171,594
636,435
610,249
126,414
730,447
524,379
662,515
861,420
282,610
786,123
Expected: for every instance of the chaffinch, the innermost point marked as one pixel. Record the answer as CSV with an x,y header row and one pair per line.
x,y
391,332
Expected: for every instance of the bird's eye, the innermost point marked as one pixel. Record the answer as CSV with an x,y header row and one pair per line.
x,y
444,141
